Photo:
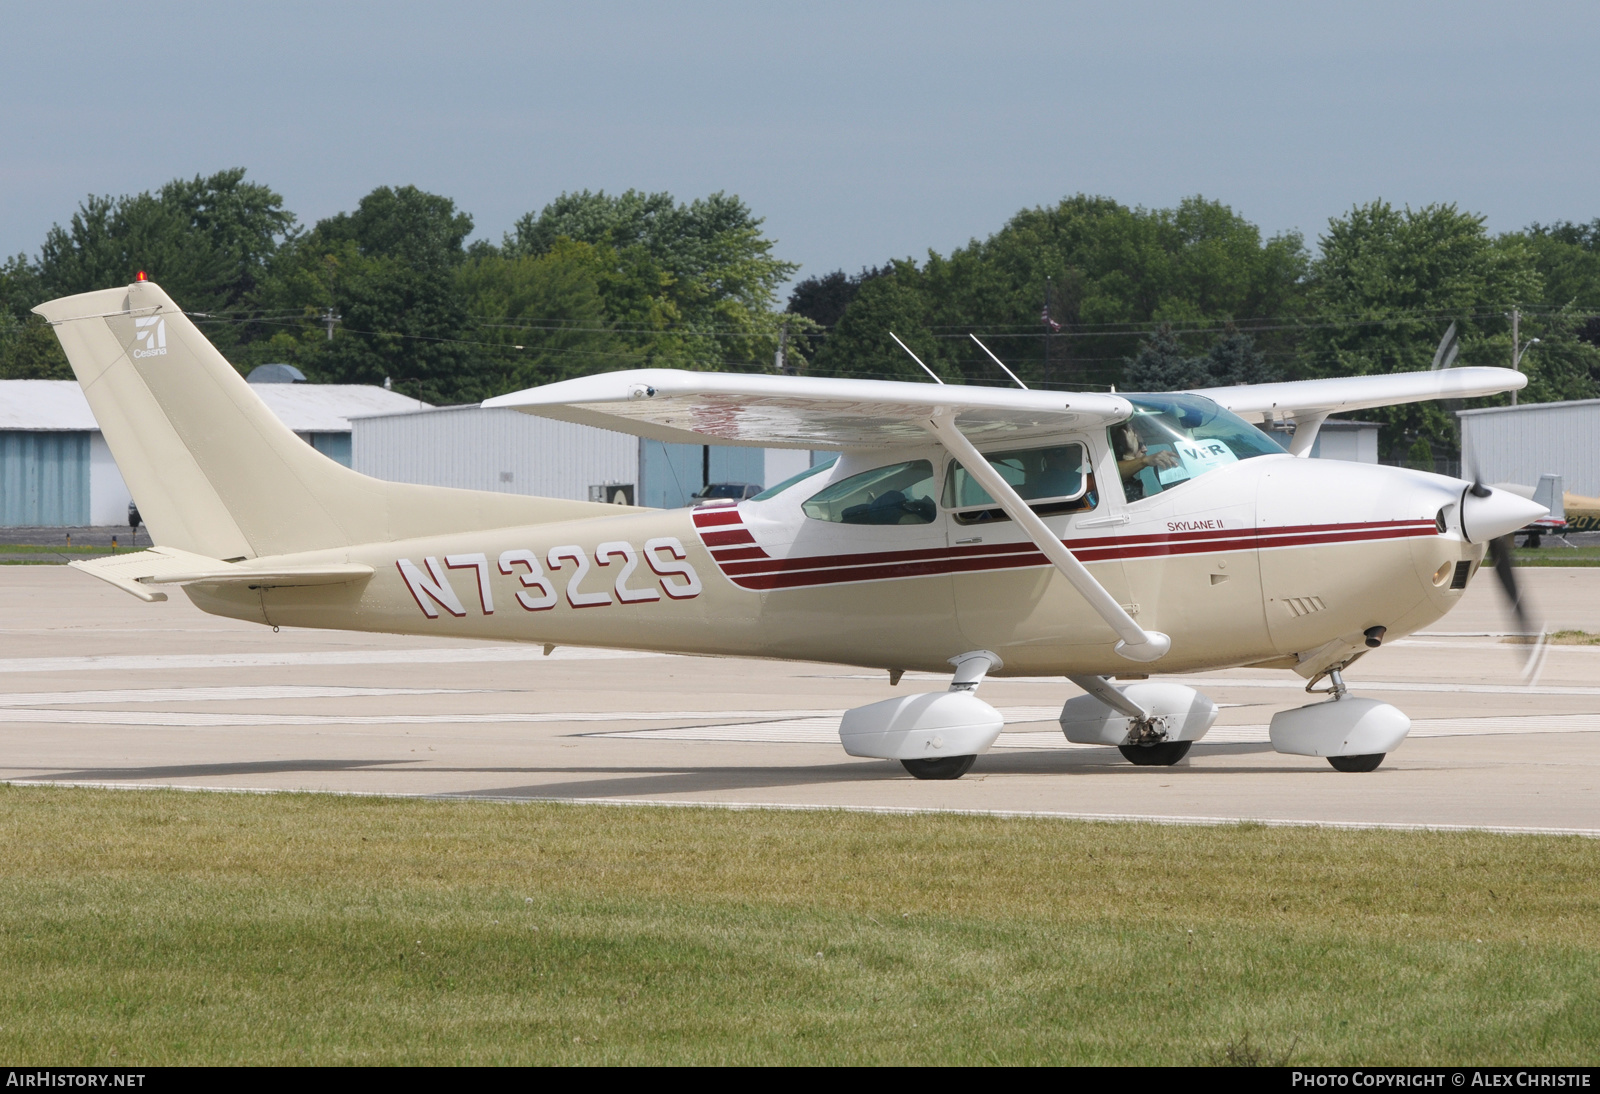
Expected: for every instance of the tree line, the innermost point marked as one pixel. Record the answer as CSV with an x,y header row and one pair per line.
x,y
1088,293
392,292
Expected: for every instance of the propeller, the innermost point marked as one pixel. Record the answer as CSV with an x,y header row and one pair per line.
x,y
1505,570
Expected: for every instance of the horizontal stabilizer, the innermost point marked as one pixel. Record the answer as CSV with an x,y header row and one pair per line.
x,y
137,571
804,411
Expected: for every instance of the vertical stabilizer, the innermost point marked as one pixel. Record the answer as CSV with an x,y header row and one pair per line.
x,y
214,471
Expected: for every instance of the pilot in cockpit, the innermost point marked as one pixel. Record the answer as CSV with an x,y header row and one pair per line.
x,y
1132,458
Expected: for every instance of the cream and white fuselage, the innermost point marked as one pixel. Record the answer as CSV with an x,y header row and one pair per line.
x,y
1244,556
1261,561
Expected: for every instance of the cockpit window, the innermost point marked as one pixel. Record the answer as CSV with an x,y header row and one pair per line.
x,y
901,493
1050,480
1173,439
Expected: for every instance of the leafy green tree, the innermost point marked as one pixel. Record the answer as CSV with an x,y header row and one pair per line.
x,y
206,240
860,345
545,313
1386,285
28,349
1566,362
388,272
695,284
1079,283
1162,365
1567,257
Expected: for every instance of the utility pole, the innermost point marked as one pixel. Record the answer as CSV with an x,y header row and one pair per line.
x,y
783,344
1046,315
1518,347
329,319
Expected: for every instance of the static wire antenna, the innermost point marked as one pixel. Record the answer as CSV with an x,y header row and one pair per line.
x,y
915,358
999,362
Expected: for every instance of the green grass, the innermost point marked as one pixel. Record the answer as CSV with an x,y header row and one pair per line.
x,y
162,927
36,554
1554,554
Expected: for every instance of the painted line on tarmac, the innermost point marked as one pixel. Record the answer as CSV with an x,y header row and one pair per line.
x,y
1176,820
181,719
159,662
211,695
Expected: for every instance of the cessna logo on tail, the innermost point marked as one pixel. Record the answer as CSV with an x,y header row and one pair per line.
x,y
150,336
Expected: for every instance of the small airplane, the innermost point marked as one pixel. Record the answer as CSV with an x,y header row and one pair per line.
x,y
1097,537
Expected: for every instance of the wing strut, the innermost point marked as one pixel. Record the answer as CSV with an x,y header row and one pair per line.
x,y
1137,643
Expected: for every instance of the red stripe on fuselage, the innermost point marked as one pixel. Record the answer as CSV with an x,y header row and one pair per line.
x,y
716,518
751,567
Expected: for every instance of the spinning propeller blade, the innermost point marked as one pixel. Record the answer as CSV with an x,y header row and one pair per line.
x,y
1505,570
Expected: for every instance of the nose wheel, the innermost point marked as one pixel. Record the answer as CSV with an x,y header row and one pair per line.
x,y
1159,754
945,767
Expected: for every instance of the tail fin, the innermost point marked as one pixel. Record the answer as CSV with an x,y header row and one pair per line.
x,y
214,471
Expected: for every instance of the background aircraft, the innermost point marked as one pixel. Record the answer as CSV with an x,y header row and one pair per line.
x,y
1088,535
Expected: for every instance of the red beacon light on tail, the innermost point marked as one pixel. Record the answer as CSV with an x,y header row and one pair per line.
x,y
140,276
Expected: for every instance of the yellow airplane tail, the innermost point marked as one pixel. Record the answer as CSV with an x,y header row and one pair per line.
x,y
213,470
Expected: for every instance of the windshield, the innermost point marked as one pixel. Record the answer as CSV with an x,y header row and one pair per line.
x,y
1173,439
721,490
816,468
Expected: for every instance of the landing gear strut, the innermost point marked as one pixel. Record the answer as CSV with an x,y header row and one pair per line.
x,y
1353,764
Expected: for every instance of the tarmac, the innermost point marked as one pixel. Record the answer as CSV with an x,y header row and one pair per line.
x,y
97,688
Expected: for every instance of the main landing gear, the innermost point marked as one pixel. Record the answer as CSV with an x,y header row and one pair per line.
x,y
1151,724
939,735
1357,763
936,735
1155,754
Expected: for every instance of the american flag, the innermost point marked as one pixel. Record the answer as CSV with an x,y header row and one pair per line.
x,y
1044,317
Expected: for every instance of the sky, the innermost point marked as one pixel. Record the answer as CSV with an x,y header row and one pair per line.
x,y
859,131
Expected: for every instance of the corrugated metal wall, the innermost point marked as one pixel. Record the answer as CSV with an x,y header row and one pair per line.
x,y
669,473
1519,444
44,478
501,450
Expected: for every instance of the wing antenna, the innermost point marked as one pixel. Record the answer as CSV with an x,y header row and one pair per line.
x,y
997,361
915,358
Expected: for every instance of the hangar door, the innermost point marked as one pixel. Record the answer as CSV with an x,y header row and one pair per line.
x,y
669,473
44,478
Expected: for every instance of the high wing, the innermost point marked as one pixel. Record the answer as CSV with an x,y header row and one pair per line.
x,y
1309,402
1341,394
825,413
803,411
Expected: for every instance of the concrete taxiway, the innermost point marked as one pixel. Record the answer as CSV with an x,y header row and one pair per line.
x,y
98,688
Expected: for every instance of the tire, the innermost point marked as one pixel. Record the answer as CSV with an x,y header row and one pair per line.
x,y
945,767
1357,763
1164,754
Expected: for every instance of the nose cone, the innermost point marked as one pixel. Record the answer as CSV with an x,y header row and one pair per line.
x,y
1495,514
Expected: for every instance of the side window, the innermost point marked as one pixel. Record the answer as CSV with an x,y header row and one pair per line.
x,y
1051,480
901,493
